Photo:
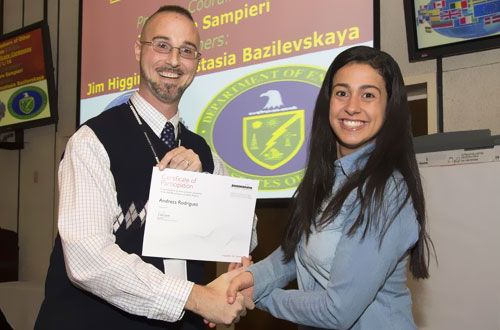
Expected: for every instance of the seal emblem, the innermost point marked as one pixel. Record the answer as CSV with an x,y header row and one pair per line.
x,y
259,124
27,102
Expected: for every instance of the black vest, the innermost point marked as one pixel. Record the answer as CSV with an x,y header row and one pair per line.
x,y
131,160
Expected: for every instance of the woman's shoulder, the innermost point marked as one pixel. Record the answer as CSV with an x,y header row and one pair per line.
x,y
396,186
398,202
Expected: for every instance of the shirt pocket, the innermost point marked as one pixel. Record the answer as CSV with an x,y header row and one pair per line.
x,y
319,251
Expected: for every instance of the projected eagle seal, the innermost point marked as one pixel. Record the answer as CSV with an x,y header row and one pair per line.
x,y
259,124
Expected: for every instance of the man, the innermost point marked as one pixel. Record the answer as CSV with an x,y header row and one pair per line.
x,y
98,278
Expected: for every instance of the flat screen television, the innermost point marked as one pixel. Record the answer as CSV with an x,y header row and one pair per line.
x,y
440,28
26,79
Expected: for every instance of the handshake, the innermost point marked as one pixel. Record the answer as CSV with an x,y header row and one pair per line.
x,y
225,299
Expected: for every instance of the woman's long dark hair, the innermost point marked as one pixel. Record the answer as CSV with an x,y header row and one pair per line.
x,y
393,152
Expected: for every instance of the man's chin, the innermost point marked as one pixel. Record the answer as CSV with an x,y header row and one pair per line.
x,y
171,95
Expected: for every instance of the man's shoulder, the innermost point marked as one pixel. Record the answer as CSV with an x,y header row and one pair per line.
x,y
112,114
111,123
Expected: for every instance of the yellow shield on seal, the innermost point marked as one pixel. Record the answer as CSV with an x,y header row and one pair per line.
x,y
271,140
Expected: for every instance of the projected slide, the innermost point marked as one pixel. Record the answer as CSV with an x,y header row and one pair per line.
x,y
262,66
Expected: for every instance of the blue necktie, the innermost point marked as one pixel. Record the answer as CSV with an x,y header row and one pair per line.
x,y
168,135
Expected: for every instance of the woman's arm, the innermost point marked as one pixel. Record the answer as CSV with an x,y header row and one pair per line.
x,y
359,270
262,277
271,273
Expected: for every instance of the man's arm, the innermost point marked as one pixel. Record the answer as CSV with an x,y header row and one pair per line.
x,y
87,210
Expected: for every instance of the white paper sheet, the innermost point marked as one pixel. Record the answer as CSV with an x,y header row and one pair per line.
x,y
199,216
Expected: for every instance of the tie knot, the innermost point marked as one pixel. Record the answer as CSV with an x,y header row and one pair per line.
x,y
168,135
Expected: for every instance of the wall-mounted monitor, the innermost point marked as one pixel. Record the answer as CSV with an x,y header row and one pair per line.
x,y
439,28
262,65
26,79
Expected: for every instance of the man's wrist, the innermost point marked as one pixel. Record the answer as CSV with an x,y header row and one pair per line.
x,y
193,301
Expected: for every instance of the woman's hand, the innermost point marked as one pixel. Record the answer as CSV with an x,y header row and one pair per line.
x,y
245,262
241,283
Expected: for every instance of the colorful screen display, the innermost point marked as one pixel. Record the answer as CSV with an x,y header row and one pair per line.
x,y
438,28
26,83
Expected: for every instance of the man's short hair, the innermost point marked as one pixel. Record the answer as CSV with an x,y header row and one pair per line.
x,y
169,9
174,9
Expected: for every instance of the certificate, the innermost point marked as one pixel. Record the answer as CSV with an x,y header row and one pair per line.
x,y
199,216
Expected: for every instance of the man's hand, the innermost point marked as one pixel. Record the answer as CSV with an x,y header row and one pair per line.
x,y
181,158
211,302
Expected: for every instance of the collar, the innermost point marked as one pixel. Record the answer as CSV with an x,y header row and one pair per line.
x,y
155,119
355,161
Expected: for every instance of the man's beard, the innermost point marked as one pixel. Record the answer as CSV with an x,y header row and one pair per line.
x,y
166,93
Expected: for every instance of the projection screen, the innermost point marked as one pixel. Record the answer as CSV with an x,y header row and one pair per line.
x,y
262,66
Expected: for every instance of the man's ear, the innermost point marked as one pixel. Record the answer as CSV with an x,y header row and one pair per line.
x,y
137,50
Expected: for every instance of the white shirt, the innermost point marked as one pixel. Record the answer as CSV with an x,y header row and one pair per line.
x,y
87,209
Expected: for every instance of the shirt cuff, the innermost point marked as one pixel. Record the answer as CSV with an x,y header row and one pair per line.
x,y
259,286
172,299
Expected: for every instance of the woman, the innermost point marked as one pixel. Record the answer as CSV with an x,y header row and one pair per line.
x,y
358,216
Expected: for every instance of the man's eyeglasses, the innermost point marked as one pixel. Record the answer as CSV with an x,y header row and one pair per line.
x,y
164,47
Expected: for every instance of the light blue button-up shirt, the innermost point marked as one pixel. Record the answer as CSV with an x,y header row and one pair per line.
x,y
345,282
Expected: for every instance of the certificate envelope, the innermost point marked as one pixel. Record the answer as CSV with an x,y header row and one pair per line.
x,y
199,216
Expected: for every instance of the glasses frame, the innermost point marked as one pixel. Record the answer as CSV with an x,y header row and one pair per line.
x,y
153,42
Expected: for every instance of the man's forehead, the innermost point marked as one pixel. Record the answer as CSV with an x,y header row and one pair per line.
x,y
171,22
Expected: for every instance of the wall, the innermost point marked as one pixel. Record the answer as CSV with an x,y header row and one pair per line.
x,y
31,172
471,101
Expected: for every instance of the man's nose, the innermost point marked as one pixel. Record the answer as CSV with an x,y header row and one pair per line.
x,y
173,58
